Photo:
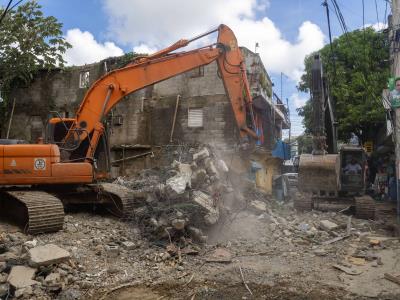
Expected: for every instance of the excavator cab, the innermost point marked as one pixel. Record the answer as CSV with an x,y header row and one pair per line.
x,y
57,129
352,169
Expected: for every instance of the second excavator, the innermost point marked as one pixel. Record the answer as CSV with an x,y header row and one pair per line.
x,y
37,180
331,179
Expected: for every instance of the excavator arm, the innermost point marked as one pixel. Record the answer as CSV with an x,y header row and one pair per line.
x,y
110,89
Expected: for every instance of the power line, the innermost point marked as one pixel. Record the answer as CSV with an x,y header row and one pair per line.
x,y
340,16
16,4
5,11
377,14
385,19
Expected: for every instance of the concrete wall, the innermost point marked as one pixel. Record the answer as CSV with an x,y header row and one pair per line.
x,y
147,114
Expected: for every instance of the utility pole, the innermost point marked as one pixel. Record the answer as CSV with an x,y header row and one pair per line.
x,y
395,70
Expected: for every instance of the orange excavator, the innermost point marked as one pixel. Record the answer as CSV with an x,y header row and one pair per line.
x,y
36,179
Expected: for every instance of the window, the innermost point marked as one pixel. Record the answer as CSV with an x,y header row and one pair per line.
x,y
84,79
198,72
195,117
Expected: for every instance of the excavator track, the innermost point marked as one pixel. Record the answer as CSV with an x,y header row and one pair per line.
x,y
123,199
44,212
365,207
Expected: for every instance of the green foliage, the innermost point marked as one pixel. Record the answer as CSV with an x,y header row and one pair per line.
x,y
356,86
306,112
29,42
304,143
128,58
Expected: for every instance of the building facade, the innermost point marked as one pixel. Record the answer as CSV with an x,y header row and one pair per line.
x,y
144,120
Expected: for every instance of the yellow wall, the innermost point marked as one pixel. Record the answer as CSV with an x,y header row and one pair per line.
x,y
264,177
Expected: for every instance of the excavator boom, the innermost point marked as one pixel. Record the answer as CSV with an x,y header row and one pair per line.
x,y
106,92
70,156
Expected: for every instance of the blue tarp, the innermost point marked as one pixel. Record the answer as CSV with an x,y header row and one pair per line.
x,y
281,150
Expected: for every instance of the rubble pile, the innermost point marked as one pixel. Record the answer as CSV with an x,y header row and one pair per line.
x,y
181,199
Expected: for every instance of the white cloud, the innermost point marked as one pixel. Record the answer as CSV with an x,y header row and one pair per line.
x,y
377,26
298,100
154,26
85,49
144,49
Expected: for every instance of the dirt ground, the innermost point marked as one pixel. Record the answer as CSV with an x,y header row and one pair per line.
x,y
277,253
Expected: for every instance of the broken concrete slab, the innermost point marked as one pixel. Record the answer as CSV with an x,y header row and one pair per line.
x,y
328,225
177,185
220,255
222,166
210,167
207,203
129,245
201,154
258,206
52,278
47,255
23,292
21,276
320,252
178,224
347,270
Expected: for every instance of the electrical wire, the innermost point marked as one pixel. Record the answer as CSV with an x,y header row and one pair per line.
x,y
377,14
385,19
340,16
6,10
12,7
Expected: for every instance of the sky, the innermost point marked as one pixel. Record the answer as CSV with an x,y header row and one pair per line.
x,y
286,30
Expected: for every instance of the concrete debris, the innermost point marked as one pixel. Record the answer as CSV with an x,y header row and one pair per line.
x,y
23,292
207,203
112,250
4,289
129,245
215,219
357,261
47,255
198,177
220,255
31,244
177,185
328,225
21,276
178,224
258,206
392,278
52,278
201,154
222,166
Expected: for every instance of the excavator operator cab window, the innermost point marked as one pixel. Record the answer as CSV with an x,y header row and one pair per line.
x,y
352,168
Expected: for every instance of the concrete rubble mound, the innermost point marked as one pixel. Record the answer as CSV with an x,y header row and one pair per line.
x,y
183,197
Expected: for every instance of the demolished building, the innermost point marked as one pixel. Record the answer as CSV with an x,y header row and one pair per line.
x,y
187,109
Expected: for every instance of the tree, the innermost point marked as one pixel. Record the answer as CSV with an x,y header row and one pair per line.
x,y
304,144
29,42
357,71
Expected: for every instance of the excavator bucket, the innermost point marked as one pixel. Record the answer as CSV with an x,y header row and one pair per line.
x,y
318,174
